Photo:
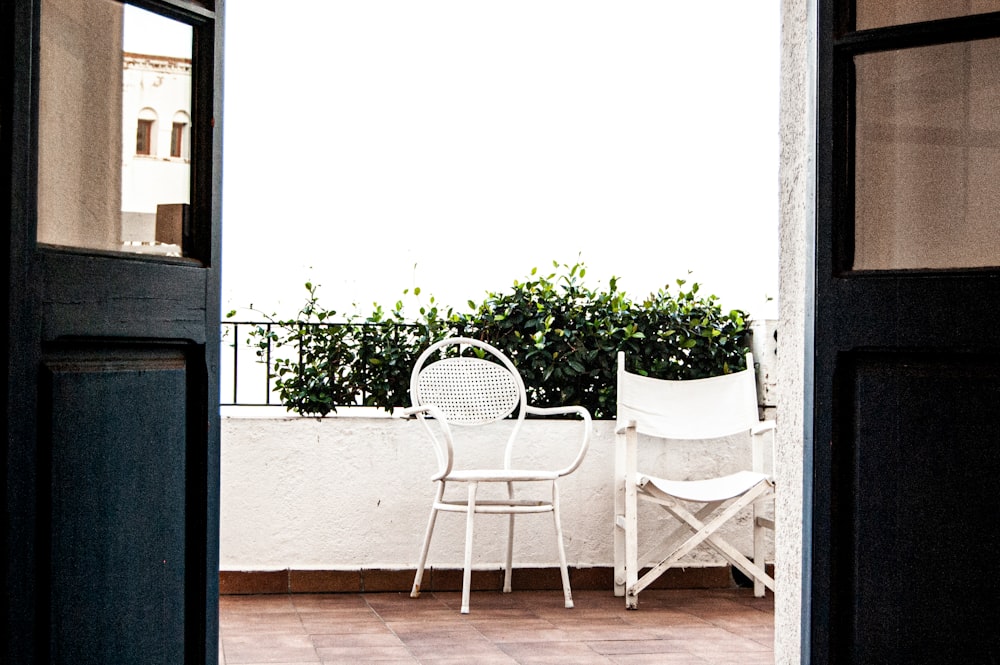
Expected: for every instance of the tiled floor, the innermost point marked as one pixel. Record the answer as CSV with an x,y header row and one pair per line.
x,y
671,627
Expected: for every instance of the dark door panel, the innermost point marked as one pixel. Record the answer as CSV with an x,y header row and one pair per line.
x,y
915,517
120,558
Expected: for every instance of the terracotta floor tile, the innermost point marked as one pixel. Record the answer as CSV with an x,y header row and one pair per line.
x,y
606,633
672,627
256,604
329,601
404,627
526,627
282,662
263,622
579,614
378,660
365,654
488,614
700,632
730,645
471,652
758,633
760,658
385,601
527,635
443,637
418,614
268,648
620,647
499,659
554,654
662,618
658,659
356,640
325,625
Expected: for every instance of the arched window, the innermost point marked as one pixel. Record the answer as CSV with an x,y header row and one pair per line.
x,y
180,136
145,133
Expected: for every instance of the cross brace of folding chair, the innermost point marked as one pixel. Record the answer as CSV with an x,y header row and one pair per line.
x,y
676,546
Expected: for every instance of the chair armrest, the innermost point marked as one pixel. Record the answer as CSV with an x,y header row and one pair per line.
x,y
444,449
426,410
567,410
557,411
414,410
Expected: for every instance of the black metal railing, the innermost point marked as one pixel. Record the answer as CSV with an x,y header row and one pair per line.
x,y
248,355
237,360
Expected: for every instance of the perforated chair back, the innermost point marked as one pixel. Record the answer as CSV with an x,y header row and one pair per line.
x,y
468,391
689,409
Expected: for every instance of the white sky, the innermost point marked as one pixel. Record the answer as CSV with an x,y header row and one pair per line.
x,y
146,32
373,146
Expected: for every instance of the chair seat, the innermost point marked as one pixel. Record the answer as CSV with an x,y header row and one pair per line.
x,y
706,491
500,475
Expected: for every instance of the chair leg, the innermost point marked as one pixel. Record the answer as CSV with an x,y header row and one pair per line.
x,y
467,573
758,552
563,569
631,563
508,564
418,578
619,516
631,522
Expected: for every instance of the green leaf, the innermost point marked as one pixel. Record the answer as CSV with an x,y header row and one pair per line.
x,y
671,336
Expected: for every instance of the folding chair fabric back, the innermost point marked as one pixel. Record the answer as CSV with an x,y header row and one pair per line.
x,y
690,409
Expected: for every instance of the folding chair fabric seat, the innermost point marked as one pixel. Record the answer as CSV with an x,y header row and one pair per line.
x,y
708,490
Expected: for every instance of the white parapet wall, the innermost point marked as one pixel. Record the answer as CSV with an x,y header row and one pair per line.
x,y
349,493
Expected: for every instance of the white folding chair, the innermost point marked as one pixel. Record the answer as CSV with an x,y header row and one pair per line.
x,y
710,408
473,384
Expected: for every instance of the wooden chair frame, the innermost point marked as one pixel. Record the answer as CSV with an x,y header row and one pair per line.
x,y
698,409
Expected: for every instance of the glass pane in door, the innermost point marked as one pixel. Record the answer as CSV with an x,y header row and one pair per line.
x,y
114,164
927,157
882,13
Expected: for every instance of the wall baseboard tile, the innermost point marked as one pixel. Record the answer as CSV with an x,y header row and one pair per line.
x,y
245,582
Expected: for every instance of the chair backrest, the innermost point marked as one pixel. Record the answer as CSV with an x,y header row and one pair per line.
x,y
690,409
468,390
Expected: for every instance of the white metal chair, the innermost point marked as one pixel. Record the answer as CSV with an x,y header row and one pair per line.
x,y
473,384
709,408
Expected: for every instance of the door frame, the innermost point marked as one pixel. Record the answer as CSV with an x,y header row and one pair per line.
x,y
30,301
838,330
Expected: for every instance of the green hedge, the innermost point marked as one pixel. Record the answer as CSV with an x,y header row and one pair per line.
x,y
561,334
